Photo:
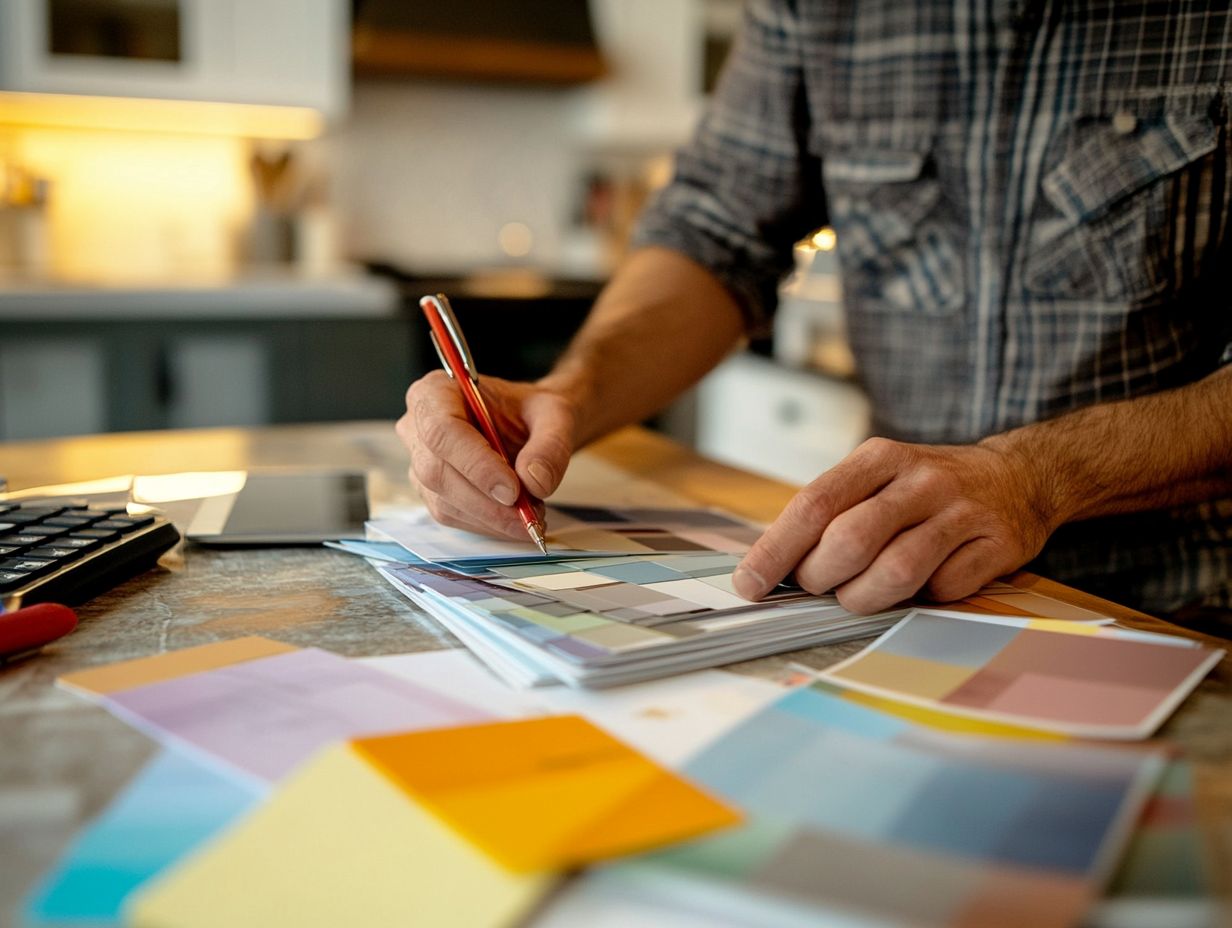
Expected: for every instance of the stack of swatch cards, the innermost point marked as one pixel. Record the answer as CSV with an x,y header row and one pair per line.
x,y
626,595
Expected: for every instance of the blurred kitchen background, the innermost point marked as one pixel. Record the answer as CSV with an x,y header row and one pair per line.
x,y
221,212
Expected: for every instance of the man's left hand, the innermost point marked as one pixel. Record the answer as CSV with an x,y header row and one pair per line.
x,y
893,519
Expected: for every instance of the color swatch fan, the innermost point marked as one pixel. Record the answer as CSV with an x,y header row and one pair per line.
x,y
1075,679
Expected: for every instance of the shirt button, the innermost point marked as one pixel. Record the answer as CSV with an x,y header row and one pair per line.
x,y
1124,123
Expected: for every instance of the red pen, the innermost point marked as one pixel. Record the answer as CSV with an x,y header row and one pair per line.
x,y
456,358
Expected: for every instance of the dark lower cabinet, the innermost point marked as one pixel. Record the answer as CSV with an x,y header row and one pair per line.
x,y
69,377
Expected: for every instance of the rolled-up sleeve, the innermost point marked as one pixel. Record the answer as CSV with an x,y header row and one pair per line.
x,y
745,187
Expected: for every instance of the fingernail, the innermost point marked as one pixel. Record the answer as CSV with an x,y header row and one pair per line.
x,y
748,582
540,472
504,494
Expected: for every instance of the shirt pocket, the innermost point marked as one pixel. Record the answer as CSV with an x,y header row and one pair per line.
x,y
1110,224
895,252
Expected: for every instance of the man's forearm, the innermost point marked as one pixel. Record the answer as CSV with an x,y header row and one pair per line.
x,y
1156,451
661,324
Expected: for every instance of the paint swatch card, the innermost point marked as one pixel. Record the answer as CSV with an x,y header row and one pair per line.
x,y
1165,861
170,808
1077,679
159,668
577,531
264,716
545,794
856,814
339,844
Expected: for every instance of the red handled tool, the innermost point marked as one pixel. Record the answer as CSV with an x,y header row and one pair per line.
x,y
24,631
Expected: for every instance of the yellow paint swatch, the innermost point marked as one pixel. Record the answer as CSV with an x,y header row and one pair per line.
x,y
547,793
936,718
125,675
339,844
923,677
1067,626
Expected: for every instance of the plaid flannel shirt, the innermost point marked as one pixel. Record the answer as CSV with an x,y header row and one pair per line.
x,y
1030,200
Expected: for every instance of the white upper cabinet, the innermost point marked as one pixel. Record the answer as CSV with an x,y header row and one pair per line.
x,y
285,52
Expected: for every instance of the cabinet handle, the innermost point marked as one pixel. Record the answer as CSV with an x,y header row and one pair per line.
x,y
164,378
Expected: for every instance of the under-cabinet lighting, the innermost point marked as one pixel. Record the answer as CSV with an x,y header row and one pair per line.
x,y
176,117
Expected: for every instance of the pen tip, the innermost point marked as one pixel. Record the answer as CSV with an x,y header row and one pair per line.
x,y
537,534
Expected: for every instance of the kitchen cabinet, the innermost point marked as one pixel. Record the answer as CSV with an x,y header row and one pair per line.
x,y
284,52
50,387
65,377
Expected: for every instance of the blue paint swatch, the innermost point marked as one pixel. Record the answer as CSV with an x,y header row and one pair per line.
x,y
171,807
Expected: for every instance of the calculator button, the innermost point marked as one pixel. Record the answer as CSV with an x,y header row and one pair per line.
x,y
81,544
103,512
6,507
12,579
21,541
34,566
45,531
6,550
7,527
96,532
23,516
125,525
70,521
56,553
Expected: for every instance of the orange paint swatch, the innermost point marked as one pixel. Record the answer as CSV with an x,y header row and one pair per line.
x,y
546,793
126,675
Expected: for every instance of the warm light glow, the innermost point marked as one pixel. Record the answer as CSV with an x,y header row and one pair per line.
x,y
515,239
824,239
131,207
178,117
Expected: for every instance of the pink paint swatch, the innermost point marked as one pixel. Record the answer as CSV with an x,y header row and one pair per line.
x,y
264,717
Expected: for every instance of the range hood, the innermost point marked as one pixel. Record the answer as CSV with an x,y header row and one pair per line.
x,y
537,41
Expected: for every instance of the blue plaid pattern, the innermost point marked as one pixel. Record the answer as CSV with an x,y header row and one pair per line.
x,y
1030,199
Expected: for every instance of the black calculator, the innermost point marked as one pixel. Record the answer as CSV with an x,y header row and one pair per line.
x,y
50,552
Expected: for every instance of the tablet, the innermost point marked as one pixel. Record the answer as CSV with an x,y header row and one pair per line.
x,y
285,507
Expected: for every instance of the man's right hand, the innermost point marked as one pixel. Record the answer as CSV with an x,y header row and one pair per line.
x,y
463,481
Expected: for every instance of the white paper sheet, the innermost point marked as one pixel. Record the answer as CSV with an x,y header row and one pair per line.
x,y
668,720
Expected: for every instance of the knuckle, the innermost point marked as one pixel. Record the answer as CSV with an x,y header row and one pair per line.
x,y
429,471
933,480
405,428
877,446
434,432
899,572
811,582
811,505
426,384
944,589
856,601
848,539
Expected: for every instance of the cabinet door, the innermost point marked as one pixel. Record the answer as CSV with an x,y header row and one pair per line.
x,y
288,52
51,387
217,380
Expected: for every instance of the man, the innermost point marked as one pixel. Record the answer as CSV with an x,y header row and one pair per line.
x,y
1031,202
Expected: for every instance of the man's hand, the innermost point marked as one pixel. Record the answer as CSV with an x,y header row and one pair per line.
x,y
463,481
893,519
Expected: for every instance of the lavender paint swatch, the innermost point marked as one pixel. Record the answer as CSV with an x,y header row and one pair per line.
x,y
264,717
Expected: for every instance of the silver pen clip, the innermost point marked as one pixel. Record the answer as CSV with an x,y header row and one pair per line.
x,y
440,303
